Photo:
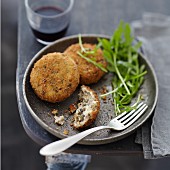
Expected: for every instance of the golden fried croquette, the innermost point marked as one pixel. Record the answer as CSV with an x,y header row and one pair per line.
x,y
88,108
89,73
54,77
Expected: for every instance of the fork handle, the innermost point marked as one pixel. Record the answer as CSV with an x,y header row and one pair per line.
x,y
61,145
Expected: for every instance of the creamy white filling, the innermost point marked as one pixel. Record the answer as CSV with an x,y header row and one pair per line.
x,y
87,105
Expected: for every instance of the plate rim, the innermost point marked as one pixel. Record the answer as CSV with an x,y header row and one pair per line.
x,y
87,141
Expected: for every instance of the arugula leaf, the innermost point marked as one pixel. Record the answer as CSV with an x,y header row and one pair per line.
x,y
122,56
127,34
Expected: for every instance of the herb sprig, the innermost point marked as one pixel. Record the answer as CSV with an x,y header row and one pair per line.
x,y
85,53
122,57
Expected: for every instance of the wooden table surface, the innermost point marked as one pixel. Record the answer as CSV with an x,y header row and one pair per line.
x,y
88,16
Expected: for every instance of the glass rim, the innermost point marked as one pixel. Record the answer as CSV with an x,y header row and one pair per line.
x,y
52,16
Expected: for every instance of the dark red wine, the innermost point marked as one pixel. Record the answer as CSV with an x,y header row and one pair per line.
x,y
46,35
49,37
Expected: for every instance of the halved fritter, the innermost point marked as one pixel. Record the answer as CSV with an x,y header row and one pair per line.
x,y
88,108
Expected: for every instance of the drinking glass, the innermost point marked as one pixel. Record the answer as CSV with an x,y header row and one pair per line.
x,y
49,19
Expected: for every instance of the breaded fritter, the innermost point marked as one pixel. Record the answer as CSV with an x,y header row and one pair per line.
x,y
88,108
54,77
89,73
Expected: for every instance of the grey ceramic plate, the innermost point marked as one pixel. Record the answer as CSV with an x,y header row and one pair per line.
x,y
41,110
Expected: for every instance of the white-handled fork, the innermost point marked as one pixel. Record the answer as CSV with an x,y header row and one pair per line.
x,y
119,123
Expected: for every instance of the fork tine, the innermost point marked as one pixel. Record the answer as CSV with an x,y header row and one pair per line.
x,y
136,117
122,117
131,114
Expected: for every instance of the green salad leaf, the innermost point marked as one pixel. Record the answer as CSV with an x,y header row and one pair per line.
x,y
128,75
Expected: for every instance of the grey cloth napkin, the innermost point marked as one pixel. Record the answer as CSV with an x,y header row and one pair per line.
x,y
154,31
